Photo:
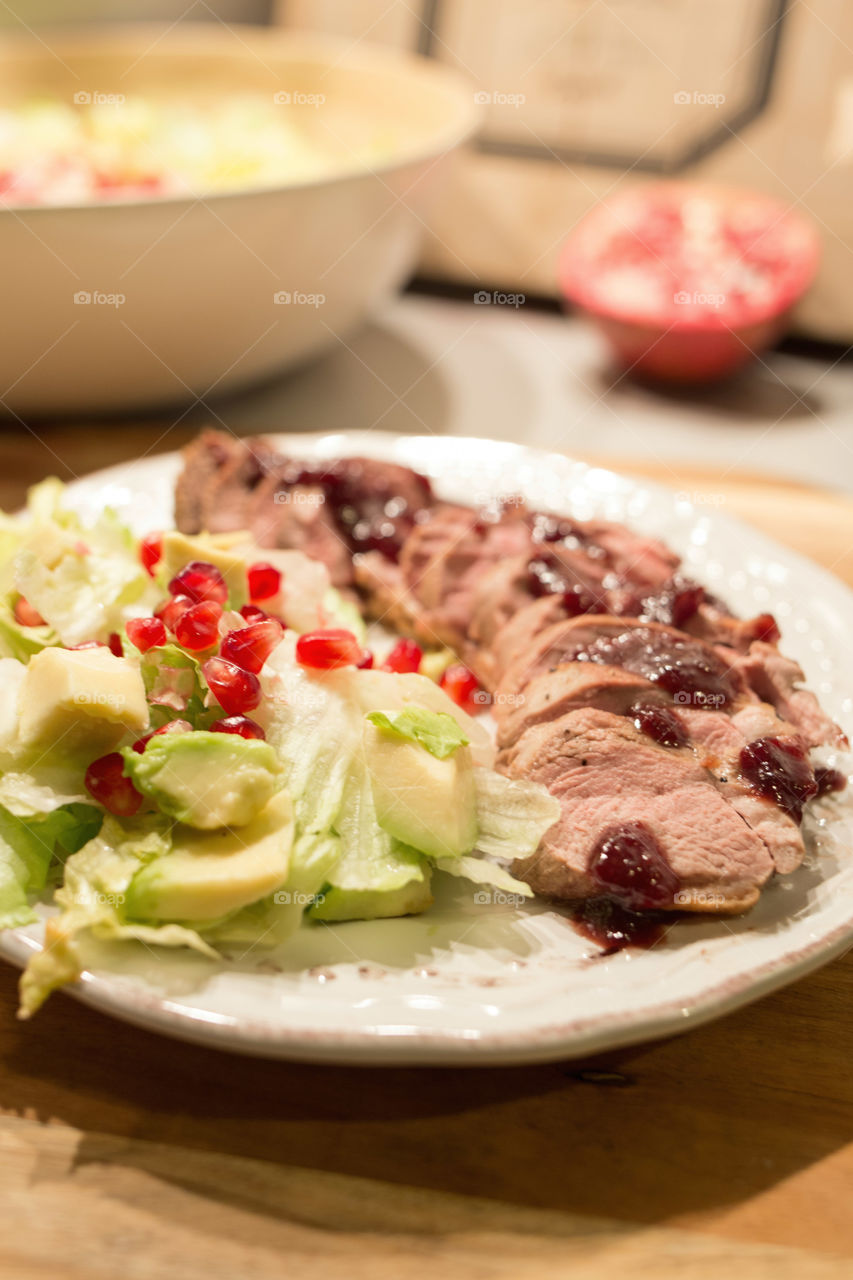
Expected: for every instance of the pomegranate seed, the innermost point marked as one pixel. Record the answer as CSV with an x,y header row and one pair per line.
x,y
171,610
200,581
249,647
461,685
171,726
242,725
115,645
146,633
198,628
235,690
105,781
366,661
325,650
405,657
264,581
27,615
252,613
151,552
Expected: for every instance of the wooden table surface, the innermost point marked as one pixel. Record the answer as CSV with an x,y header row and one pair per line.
x,y
727,1151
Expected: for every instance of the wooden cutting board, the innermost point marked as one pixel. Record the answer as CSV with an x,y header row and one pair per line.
x,y
728,1151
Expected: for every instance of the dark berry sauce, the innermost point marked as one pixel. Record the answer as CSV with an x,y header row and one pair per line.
x,y
661,724
546,576
675,603
628,864
779,770
680,665
369,514
829,780
611,926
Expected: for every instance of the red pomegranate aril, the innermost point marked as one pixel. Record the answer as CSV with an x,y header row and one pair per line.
x,y
241,725
198,628
171,726
264,581
200,581
151,552
365,662
27,615
252,613
404,658
115,645
463,687
171,610
249,647
326,649
146,633
235,690
106,782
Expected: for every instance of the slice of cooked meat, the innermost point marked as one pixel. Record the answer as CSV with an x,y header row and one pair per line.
x,y
298,519
447,554
388,599
326,510
690,670
612,780
777,680
568,687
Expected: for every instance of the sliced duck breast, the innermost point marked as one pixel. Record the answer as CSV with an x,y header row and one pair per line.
x,y
640,822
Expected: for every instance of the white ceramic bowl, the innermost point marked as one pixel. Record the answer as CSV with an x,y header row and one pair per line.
x,y
203,280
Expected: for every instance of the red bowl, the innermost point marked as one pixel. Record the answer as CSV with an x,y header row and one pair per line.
x,y
688,282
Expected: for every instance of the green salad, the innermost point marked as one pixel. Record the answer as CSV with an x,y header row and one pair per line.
x,y
198,749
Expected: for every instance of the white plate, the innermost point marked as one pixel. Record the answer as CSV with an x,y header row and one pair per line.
x,y
469,983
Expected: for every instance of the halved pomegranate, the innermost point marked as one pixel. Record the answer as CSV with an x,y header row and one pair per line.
x,y
689,282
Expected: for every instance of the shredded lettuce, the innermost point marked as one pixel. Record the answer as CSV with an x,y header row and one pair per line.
x,y
436,731
513,814
92,897
173,682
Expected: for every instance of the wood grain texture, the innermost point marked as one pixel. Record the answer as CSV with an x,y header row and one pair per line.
x,y
726,1151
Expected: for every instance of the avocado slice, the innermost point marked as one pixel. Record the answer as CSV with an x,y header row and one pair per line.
x,y
337,903
206,779
179,549
211,874
427,803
